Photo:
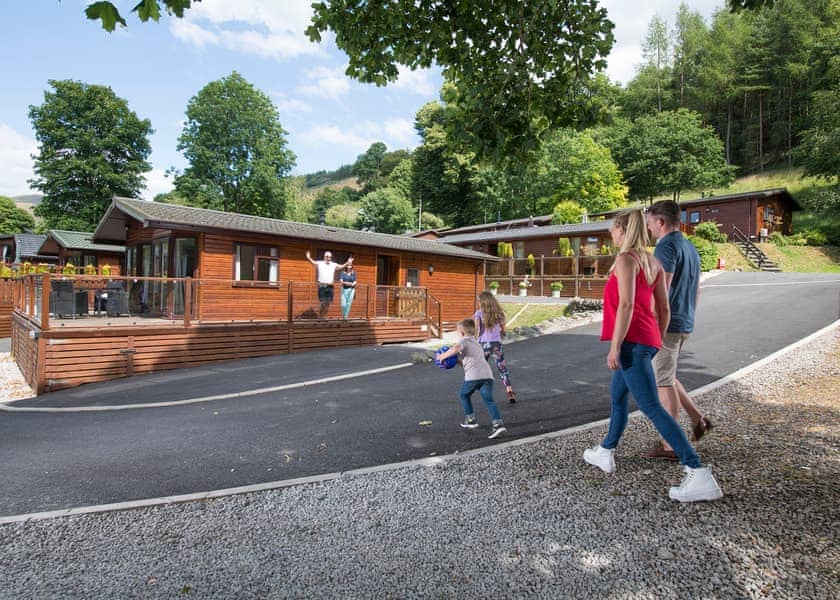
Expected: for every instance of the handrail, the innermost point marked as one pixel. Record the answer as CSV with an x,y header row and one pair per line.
x,y
751,251
437,327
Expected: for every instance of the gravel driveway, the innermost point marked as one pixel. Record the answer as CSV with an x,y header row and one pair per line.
x,y
523,520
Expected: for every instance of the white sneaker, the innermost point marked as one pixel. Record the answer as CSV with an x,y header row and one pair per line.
x,y
697,485
601,458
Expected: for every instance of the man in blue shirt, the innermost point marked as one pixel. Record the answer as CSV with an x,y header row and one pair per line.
x,y
681,265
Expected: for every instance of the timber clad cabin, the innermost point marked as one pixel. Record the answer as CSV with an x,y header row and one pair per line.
x,y
199,286
256,257
77,248
18,248
755,214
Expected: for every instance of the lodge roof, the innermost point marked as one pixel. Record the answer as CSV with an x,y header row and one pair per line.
x,y
27,245
528,233
75,240
173,216
769,193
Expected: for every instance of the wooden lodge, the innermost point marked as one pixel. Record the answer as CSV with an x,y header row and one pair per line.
x,y
751,215
78,249
200,285
582,268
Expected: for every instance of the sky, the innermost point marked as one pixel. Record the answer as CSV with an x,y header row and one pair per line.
x,y
157,68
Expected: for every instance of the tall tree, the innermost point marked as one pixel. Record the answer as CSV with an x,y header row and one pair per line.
x,y
236,149
574,167
368,166
14,219
667,153
386,211
690,43
441,176
516,68
656,53
91,147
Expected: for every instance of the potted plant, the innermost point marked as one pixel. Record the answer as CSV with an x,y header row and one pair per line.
x,y
494,287
556,288
523,286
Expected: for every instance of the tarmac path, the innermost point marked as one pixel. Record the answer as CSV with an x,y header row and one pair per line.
x,y
271,420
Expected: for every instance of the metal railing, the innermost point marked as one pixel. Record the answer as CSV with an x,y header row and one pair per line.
x,y
750,250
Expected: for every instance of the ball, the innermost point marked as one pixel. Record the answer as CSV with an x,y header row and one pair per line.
x,y
448,362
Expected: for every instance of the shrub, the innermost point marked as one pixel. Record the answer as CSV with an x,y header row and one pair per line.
x,y
582,305
564,247
494,285
814,237
556,286
707,251
708,230
797,239
777,238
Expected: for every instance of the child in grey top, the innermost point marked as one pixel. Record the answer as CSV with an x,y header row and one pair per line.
x,y
477,376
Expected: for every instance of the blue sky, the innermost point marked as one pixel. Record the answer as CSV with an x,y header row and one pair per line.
x,y
157,68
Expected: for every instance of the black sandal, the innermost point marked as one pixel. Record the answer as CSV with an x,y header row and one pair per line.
x,y
700,429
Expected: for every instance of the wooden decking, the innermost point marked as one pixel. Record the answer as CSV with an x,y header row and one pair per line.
x,y
86,350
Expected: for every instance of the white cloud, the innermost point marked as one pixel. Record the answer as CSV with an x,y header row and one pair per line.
x,y
193,34
16,163
400,130
156,183
325,83
395,133
419,82
286,105
266,28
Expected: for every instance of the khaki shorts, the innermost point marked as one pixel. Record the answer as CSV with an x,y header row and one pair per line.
x,y
665,361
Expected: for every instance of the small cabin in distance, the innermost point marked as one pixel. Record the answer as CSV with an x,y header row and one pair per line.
x,y
77,247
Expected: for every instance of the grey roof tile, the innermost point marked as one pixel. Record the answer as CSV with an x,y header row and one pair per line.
x,y
171,216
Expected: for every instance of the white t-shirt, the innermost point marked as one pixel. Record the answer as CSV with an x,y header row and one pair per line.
x,y
326,271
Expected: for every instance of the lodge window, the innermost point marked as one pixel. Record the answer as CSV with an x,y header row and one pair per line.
x,y
519,249
695,217
256,263
412,277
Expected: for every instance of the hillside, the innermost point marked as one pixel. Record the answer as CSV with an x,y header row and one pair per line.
x,y
336,185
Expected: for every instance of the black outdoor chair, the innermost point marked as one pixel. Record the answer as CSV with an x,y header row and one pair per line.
x,y
116,299
65,300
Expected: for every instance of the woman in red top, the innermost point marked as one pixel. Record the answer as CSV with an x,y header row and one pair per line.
x,y
636,314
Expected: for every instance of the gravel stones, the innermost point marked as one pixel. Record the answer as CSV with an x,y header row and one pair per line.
x,y
520,520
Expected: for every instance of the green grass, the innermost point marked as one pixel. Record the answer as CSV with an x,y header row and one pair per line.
x,y
533,314
804,259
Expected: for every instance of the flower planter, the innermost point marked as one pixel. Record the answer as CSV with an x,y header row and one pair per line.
x,y
523,291
555,293
494,291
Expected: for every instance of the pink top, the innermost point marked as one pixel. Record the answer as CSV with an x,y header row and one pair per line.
x,y
644,327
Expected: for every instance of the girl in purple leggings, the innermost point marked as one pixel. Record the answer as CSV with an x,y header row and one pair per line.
x,y
490,322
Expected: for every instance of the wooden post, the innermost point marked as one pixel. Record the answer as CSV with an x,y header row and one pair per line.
x,y
40,365
290,335
45,302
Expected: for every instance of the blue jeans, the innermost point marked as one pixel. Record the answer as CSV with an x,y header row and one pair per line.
x,y
636,377
347,295
485,388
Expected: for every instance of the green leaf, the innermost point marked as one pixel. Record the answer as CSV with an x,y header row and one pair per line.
x,y
105,12
148,9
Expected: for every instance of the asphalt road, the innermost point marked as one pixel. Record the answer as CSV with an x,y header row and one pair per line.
x,y
62,460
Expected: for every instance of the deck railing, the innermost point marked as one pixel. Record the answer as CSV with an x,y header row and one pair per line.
x,y
187,300
576,273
